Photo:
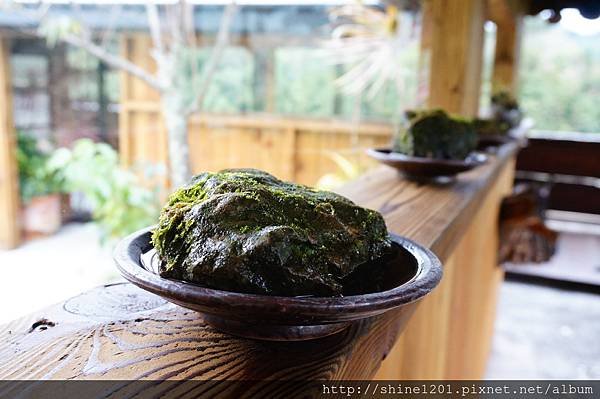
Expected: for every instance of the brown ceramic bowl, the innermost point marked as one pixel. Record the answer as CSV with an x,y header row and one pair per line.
x,y
411,273
421,167
491,142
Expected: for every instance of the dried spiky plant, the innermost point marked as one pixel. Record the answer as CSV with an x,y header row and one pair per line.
x,y
368,41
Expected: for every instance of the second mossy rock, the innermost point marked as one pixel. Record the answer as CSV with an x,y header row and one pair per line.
x,y
435,134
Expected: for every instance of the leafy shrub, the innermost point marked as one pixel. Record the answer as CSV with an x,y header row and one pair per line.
x,y
120,205
35,178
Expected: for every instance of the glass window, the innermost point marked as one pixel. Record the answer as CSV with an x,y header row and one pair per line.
x,y
560,73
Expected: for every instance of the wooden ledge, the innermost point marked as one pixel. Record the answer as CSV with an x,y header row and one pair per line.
x,y
433,215
121,332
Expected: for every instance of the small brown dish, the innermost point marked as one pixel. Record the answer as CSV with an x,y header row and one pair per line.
x,y
421,167
485,142
412,271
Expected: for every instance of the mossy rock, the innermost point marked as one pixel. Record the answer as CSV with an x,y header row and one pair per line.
x,y
435,134
244,230
491,127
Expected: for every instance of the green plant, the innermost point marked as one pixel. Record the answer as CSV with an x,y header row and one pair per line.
x,y
347,170
304,83
35,178
559,87
120,203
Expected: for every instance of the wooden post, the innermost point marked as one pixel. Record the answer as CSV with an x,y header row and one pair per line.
x,y
10,232
424,54
508,18
456,42
124,111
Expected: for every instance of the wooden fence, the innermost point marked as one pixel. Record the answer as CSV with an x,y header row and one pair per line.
x,y
291,149
10,230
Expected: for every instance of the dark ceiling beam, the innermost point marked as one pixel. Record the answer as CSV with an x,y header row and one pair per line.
x,y
587,8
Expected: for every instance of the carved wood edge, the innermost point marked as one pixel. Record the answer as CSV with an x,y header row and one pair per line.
x,y
121,332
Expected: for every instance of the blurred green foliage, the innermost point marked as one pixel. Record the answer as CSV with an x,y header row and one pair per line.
x,y
304,82
231,87
121,205
348,169
35,177
559,82
560,78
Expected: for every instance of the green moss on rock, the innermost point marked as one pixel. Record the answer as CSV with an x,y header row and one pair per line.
x,y
244,230
505,115
435,134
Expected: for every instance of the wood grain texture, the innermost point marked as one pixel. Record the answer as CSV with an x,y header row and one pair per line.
x,y
449,337
508,18
121,332
10,231
435,215
455,34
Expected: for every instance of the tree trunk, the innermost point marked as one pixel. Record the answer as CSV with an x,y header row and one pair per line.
x,y
176,121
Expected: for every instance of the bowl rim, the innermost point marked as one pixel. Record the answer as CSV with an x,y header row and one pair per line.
x,y
388,154
427,277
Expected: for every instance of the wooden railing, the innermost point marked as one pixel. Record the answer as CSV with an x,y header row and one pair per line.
x,y
10,230
118,332
291,149
570,163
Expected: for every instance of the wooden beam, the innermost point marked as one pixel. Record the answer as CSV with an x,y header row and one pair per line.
x,y
456,34
10,232
508,17
424,54
506,58
119,332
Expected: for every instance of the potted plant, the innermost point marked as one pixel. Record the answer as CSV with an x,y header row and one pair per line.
x,y
506,114
118,202
39,189
432,144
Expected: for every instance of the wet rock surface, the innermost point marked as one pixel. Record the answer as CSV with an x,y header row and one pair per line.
x,y
435,134
244,230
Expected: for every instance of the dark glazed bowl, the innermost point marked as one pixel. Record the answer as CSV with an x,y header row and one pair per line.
x,y
412,272
487,141
419,167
